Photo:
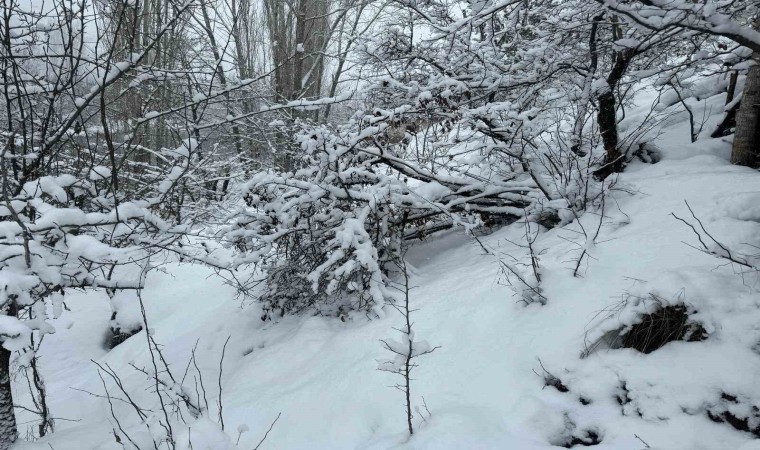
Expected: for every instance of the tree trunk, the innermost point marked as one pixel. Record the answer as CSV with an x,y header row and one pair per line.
x,y
297,31
280,27
8,429
310,35
746,149
607,119
732,86
607,116
580,120
729,118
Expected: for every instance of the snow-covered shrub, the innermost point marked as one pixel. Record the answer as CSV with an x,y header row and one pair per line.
x,y
318,233
647,323
460,134
470,125
323,233
665,324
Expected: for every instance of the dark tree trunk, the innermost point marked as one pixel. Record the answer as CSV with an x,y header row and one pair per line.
x,y
8,428
729,119
311,33
746,148
732,86
614,160
587,85
280,27
728,123
607,120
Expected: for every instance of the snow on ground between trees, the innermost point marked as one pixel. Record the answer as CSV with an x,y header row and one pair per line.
x,y
506,375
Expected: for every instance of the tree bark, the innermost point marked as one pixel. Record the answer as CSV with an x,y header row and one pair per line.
x,y
731,87
587,85
746,148
8,428
280,27
607,115
607,119
297,31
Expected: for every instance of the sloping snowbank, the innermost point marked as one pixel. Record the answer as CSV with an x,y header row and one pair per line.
x,y
484,387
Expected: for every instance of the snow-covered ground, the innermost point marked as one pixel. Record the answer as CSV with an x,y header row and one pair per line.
x,y
484,387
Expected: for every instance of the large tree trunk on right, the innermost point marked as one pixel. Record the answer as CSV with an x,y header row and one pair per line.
x,y
746,149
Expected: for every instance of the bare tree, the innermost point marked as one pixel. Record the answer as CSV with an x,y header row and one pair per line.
x,y
408,349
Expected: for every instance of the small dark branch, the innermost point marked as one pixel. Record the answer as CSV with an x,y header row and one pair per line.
x,y
221,370
535,290
200,378
550,379
693,133
105,397
140,412
114,416
267,433
590,240
642,441
409,353
530,239
167,425
726,252
578,263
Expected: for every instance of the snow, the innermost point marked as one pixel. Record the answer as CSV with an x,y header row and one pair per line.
x,y
480,386
484,386
150,115
626,43
100,173
204,434
15,333
129,316
432,190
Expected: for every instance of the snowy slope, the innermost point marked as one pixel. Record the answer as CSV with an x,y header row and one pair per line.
x,y
484,387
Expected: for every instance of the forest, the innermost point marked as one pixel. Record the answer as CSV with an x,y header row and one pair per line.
x,y
375,224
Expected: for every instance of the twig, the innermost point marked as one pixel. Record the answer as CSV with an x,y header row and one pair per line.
x,y
642,440
705,248
267,433
113,413
168,425
221,368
